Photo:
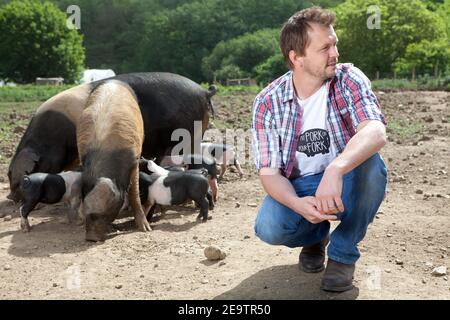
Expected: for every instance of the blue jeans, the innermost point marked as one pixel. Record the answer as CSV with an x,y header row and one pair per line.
x,y
363,191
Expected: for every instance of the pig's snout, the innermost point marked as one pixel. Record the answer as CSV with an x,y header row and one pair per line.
x,y
96,228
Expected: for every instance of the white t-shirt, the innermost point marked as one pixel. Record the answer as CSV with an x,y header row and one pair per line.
x,y
316,148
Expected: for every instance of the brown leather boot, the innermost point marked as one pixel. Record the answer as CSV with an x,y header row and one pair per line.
x,y
338,276
312,258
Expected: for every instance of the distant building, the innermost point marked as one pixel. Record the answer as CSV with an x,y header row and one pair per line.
x,y
96,74
50,81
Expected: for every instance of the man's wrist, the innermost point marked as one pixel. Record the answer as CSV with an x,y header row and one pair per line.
x,y
336,168
291,201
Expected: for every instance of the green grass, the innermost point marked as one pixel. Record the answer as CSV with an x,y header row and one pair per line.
x,y
29,93
227,91
422,83
403,129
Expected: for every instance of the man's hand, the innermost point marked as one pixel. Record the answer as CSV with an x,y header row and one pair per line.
x,y
307,207
328,194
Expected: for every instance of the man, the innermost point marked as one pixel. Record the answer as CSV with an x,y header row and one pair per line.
x,y
317,131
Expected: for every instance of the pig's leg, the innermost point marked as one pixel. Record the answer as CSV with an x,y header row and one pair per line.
x,y
150,213
203,203
223,168
148,205
214,187
75,204
25,210
209,196
239,168
135,202
81,216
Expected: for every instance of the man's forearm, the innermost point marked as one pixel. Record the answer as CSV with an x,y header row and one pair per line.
x,y
278,186
369,139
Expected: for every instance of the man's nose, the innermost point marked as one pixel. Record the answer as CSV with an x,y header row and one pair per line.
x,y
334,52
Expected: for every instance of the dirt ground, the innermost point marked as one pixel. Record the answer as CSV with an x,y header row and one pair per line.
x,y
408,239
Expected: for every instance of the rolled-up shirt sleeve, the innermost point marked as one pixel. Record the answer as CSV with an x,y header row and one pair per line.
x,y
362,102
265,138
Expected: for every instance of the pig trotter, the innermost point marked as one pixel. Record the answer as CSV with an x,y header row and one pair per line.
x,y
25,225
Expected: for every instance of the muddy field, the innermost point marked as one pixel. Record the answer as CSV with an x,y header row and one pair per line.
x,y
409,238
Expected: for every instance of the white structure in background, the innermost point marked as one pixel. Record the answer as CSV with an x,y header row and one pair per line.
x,y
50,81
7,84
96,74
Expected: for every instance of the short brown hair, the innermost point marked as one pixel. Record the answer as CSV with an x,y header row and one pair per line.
x,y
294,35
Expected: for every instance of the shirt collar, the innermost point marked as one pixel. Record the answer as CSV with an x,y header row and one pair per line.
x,y
289,93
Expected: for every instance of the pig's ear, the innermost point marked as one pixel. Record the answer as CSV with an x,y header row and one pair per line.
x,y
211,91
25,163
100,198
26,182
150,164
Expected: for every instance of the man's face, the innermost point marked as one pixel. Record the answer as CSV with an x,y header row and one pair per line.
x,y
322,54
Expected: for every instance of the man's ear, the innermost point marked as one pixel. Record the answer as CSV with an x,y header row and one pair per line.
x,y
295,58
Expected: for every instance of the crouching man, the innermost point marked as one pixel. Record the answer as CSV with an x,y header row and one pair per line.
x,y
317,131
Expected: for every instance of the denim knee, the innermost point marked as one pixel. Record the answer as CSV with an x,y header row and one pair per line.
x,y
273,224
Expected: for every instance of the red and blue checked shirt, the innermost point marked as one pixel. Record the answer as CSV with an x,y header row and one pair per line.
x,y
277,116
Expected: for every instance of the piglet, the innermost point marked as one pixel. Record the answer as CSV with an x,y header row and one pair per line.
x,y
165,187
224,155
49,188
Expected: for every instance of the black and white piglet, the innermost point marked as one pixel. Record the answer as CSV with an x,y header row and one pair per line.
x,y
166,187
49,188
224,155
196,161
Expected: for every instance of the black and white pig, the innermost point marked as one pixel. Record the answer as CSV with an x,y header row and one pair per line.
x,y
110,135
49,189
196,161
164,187
223,154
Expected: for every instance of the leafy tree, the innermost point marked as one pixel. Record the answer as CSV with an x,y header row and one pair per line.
x,y
230,71
111,29
177,40
402,23
36,42
444,11
270,69
425,57
244,52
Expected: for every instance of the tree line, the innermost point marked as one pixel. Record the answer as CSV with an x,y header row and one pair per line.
x,y
209,40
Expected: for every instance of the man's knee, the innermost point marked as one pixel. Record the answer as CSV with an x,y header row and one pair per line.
x,y
371,175
272,234
275,224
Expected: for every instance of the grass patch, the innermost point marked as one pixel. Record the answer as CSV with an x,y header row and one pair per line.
x,y
29,93
422,83
14,118
403,129
19,107
224,91
221,124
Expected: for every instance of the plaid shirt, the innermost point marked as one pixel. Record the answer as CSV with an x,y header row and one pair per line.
x,y
277,116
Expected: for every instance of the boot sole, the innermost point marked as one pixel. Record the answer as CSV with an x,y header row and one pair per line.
x,y
337,289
